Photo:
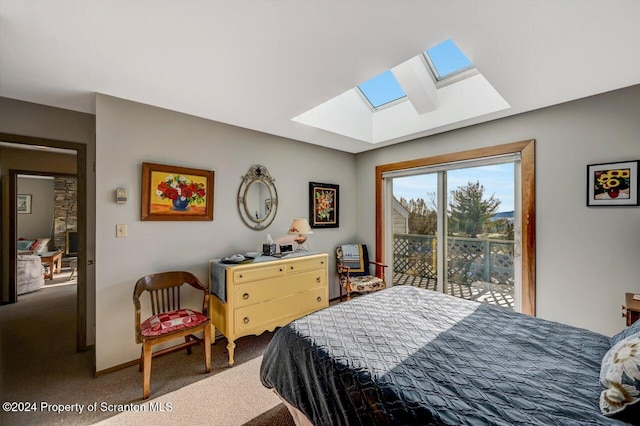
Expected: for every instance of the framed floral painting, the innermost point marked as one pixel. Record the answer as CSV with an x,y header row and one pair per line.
x,y
176,193
612,184
323,205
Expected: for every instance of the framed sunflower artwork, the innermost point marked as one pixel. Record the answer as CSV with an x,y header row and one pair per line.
x,y
612,184
323,205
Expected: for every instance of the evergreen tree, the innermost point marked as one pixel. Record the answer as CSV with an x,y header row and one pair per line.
x,y
469,213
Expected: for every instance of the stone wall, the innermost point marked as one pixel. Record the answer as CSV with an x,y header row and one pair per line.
x,y
66,209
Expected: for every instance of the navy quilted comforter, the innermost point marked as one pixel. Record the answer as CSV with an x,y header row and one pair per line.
x,y
408,356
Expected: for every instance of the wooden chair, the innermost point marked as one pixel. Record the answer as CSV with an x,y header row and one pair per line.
x,y
169,321
353,270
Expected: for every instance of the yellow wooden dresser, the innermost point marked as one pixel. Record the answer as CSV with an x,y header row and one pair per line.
x,y
263,295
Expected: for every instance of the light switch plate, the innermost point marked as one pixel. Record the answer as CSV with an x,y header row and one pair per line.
x,y
121,231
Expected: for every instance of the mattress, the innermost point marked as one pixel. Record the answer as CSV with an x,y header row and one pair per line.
x,y
412,356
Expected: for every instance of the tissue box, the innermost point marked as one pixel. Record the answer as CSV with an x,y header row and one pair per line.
x,y
268,249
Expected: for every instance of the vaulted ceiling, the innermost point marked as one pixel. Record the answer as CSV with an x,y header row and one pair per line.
x,y
259,64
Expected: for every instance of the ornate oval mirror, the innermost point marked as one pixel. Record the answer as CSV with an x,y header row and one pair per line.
x,y
257,198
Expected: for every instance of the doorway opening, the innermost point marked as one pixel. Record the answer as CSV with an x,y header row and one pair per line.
x,y
454,230
9,251
453,236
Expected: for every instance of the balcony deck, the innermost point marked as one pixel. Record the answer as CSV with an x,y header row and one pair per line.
x,y
480,291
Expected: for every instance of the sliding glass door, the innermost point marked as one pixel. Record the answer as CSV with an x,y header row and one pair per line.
x,y
455,229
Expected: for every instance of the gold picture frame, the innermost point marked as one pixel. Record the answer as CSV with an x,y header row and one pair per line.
x,y
175,193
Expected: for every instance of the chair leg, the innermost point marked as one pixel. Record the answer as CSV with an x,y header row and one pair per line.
x,y
348,291
146,381
341,292
186,340
141,363
207,349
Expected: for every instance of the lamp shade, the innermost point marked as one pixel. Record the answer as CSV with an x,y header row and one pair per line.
x,y
300,225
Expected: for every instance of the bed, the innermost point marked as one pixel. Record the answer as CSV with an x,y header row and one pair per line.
x,y
410,356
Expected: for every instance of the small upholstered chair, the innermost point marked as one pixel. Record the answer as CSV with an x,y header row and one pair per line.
x,y
353,269
169,321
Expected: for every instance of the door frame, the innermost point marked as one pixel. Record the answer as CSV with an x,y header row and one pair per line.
x,y
81,161
526,149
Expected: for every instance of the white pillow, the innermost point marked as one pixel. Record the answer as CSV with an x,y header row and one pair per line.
x,y
41,245
620,375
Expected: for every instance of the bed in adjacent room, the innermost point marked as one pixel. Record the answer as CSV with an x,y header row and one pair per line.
x,y
412,356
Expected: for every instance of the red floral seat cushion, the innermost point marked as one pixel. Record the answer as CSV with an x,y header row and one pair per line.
x,y
171,321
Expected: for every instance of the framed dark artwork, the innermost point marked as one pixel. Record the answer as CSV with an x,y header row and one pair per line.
x,y
176,193
612,184
24,203
324,205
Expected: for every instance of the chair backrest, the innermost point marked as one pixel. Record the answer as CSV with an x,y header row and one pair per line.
x,y
164,292
164,289
356,258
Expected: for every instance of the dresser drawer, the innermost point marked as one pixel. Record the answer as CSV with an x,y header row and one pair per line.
x,y
242,275
274,288
301,264
275,311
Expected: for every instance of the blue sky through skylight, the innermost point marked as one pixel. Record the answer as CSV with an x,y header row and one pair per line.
x,y
382,89
447,59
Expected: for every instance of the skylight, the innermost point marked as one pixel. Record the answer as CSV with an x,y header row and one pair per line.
x,y
382,89
446,60
411,99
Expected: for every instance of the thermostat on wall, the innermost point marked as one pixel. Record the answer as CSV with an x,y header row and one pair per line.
x,y
121,196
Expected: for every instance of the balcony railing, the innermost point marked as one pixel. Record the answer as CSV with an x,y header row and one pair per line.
x,y
477,268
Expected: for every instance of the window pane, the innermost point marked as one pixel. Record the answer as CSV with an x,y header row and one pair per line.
x,y
447,59
480,234
382,89
414,230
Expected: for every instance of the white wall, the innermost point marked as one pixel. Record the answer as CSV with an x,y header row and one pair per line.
x,y
39,223
587,257
128,134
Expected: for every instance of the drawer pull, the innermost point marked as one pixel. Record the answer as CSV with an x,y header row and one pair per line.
x,y
322,262
318,280
240,276
281,269
245,296
291,267
319,299
246,320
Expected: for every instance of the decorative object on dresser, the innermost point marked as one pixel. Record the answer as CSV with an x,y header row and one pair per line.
x,y
252,298
613,184
169,321
323,205
301,227
176,193
257,198
631,308
354,270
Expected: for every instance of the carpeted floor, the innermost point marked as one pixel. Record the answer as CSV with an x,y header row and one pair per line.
x,y
39,365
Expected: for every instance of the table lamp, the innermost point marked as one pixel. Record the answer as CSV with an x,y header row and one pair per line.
x,y
301,227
